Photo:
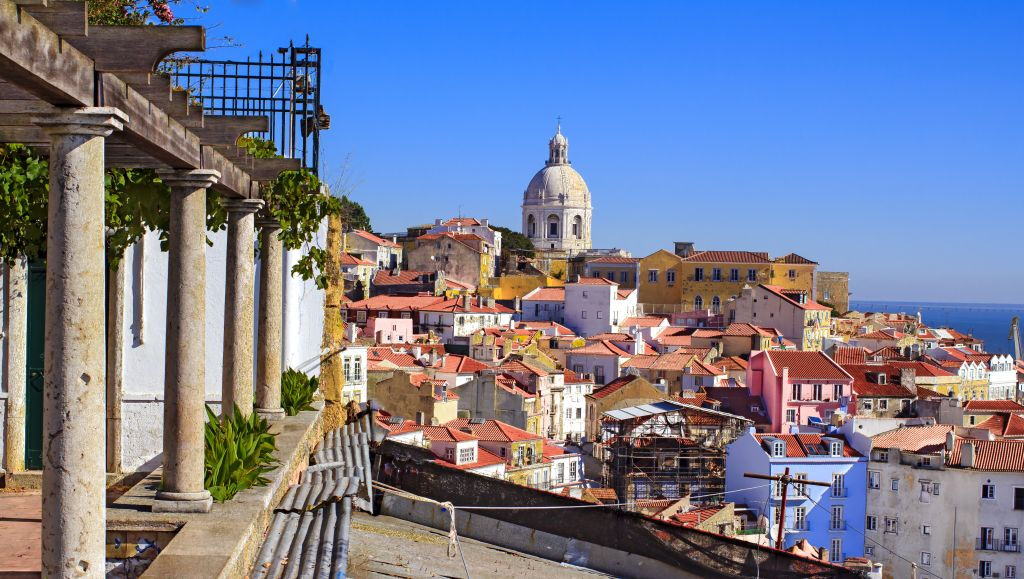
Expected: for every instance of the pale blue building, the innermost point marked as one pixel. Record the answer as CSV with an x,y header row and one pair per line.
x,y
837,522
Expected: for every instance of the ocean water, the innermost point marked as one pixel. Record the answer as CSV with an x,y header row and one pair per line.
x,y
988,322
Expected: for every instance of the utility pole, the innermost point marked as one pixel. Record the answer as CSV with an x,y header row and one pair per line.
x,y
784,480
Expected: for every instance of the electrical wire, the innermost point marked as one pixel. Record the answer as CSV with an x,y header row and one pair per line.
x,y
553,507
867,538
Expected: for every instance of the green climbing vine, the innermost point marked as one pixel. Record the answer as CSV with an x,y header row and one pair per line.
x,y
295,200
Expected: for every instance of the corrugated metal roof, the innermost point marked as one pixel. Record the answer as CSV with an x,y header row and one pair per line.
x,y
308,534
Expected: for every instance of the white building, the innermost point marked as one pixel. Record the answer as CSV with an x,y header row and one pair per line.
x,y
953,505
597,306
603,360
574,409
998,370
801,320
354,365
556,204
455,320
544,304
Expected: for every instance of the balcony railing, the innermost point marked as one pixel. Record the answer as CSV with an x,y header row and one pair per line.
x,y
838,493
983,544
837,525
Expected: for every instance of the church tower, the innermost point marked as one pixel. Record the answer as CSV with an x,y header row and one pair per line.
x,y
556,203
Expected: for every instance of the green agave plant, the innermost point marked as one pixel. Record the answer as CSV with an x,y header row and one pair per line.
x,y
239,451
297,391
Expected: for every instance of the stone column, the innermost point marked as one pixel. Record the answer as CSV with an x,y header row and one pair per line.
x,y
268,363
74,359
185,356
237,388
15,330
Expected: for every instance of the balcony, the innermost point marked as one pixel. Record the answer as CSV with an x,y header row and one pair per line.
x,y
838,493
983,544
837,525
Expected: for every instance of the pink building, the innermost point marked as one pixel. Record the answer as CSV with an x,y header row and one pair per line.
x,y
389,330
798,386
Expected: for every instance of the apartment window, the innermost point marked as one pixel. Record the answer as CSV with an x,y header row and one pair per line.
x,y
800,518
357,371
871,523
1010,539
449,454
670,276
988,491
837,392
599,374
867,403
883,404
836,449
583,314
599,314
882,455
577,368
347,368
716,274
892,525
836,554
1011,572
778,449
926,558
873,479
796,391
467,455
751,274
869,550
652,275
791,415
520,454
835,520
985,538
560,476
716,304
1018,498
622,276
792,274
579,413
698,274
895,484
568,412
361,316
838,485
816,390
698,303
984,568
800,488
572,470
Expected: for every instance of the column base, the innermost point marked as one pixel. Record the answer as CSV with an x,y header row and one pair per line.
x,y
271,413
170,502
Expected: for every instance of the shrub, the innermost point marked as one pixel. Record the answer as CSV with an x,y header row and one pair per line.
x,y
239,450
297,391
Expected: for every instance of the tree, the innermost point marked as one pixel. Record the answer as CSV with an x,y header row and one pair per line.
x,y
353,215
513,243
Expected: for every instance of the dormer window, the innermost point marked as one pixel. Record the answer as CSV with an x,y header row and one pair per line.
x,y
779,449
881,378
836,448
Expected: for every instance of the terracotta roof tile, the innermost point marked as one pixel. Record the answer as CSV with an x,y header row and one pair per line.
x,y
594,281
799,445
624,293
795,259
458,304
916,439
973,406
546,294
787,295
494,430
347,259
613,386
384,277
446,433
728,257
483,458
697,515
614,259
806,365
395,303
865,381
644,322
849,355
995,455
600,348
522,367
1004,425
374,238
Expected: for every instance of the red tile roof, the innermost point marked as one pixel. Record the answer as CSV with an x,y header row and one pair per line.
x,y
404,277
383,419
644,322
462,221
613,386
806,365
347,259
795,259
698,368
674,340
394,303
483,458
731,363
419,380
697,515
509,383
546,294
458,304
522,367
864,381
887,353
459,364
375,239
624,293
601,348
1004,425
915,439
559,328
787,295
446,433
975,406
594,281
746,329
883,335
386,354
995,455
494,430
797,445
849,355
728,256
614,259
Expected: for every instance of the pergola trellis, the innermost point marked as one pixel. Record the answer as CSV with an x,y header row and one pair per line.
x,y
90,98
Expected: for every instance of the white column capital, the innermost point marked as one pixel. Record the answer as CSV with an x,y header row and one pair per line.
x,y
96,121
190,178
245,206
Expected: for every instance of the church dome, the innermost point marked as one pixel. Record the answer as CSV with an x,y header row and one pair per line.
x,y
557,182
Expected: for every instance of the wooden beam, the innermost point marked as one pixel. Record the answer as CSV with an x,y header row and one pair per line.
x,y
67,18
234,181
269,169
226,130
138,48
33,57
154,86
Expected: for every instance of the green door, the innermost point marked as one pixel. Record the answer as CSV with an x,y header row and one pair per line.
x,y
34,361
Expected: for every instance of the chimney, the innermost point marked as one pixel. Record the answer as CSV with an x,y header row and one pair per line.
x,y
519,304
490,302
466,302
417,352
967,454
438,221
683,248
950,438
433,356
480,301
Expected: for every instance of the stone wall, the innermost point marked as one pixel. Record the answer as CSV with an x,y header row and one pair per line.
x,y
834,287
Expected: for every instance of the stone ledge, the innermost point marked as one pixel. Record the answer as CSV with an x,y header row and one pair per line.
x,y
225,541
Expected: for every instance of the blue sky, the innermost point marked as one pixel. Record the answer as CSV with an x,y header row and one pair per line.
x,y
881,138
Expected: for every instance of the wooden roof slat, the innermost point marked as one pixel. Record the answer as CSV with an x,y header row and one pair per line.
x,y
67,18
233,179
269,169
38,61
226,130
138,48
154,86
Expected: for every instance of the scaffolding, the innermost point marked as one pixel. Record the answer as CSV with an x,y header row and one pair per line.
x,y
667,450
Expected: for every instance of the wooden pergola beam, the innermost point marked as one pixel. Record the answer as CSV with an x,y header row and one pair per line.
x,y
269,169
67,18
138,48
226,130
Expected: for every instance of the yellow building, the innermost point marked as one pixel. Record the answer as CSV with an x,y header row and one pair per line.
x,y
515,285
690,280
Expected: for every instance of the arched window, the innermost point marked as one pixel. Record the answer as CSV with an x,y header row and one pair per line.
x,y
698,303
552,226
716,304
531,226
577,227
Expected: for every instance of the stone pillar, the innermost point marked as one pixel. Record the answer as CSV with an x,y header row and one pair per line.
x,y
237,388
74,359
185,356
14,358
268,363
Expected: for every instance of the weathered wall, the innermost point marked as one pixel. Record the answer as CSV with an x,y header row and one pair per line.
x,y
834,288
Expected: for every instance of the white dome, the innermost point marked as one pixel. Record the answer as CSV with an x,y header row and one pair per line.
x,y
559,184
